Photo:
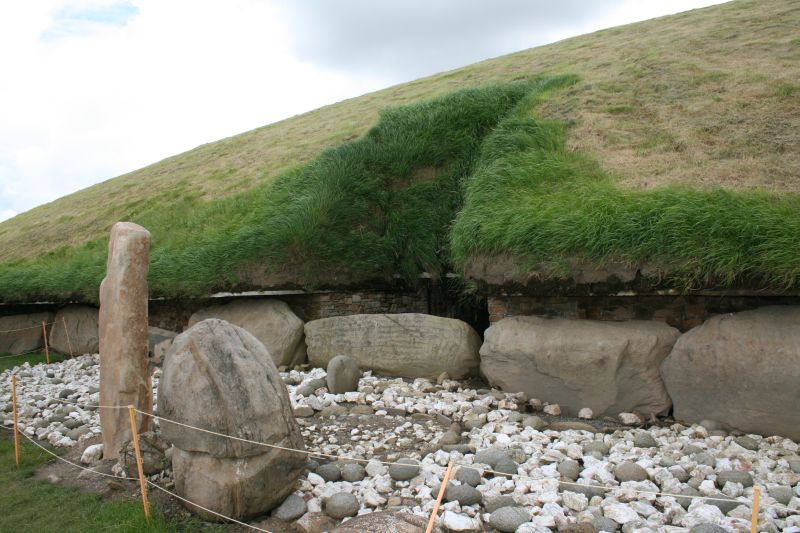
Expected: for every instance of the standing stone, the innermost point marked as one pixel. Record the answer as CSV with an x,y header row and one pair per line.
x,y
124,379
81,334
741,369
609,367
219,377
22,333
343,375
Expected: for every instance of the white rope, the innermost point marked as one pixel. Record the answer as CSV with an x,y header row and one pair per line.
x,y
70,462
277,447
36,350
76,404
37,326
159,487
422,465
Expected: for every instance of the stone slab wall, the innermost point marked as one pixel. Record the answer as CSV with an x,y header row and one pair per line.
x,y
325,305
174,315
682,312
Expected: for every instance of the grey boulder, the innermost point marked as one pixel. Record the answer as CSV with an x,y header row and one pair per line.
x,y
740,369
343,374
220,378
271,321
82,332
610,367
22,333
411,345
508,519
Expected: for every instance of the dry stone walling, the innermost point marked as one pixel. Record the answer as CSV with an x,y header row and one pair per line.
x,y
124,377
219,377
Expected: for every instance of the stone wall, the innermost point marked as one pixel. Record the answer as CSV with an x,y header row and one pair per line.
x,y
682,312
174,315
324,305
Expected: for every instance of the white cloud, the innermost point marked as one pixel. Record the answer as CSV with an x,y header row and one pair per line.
x,y
90,89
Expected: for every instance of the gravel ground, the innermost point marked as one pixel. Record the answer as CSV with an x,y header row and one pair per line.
x,y
557,473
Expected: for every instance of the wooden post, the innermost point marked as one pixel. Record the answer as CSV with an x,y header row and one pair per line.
x,y
66,332
142,482
46,349
16,421
754,516
442,489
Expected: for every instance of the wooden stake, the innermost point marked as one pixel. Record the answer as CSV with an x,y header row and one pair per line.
x,y
66,332
16,422
754,516
46,349
435,511
142,482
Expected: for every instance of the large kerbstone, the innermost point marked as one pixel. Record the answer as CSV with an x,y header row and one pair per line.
x,y
271,321
82,332
156,336
610,367
124,377
236,487
22,333
219,377
740,369
411,345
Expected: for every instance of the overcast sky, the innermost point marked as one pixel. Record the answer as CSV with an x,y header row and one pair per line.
x,y
90,90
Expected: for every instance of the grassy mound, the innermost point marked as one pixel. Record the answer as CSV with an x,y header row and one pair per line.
x,y
677,147
370,209
532,198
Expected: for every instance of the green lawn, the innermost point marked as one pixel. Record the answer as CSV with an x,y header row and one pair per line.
x,y
27,504
10,361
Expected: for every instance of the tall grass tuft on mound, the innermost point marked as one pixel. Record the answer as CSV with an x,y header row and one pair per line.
x,y
533,198
370,209
431,186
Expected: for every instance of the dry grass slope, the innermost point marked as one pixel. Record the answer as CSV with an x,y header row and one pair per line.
x,y
706,97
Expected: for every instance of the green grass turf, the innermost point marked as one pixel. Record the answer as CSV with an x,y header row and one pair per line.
x,y
533,198
10,361
28,504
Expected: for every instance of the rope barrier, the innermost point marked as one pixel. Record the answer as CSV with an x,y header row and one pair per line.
x,y
70,462
159,487
312,453
37,326
84,405
136,479
19,354
274,446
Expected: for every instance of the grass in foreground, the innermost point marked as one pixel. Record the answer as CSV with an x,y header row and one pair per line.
x,y
28,504
10,361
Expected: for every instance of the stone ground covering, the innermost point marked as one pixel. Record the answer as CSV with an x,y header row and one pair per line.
x,y
421,421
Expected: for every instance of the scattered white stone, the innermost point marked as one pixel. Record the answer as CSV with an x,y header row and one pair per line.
x,y
410,415
620,513
552,409
575,501
460,522
630,419
92,453
586,413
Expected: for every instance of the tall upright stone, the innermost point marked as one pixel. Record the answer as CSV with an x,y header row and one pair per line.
x,y
124,378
